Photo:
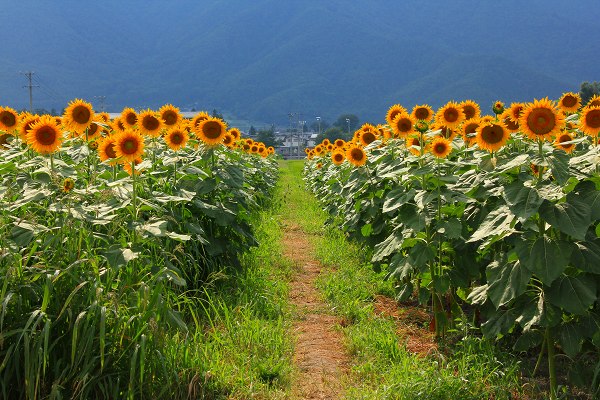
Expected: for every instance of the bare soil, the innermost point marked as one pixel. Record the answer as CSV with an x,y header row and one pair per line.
x,y
320,358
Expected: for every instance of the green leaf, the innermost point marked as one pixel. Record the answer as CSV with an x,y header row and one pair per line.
x,y
396,198
366,230
506,281
420,255
591,196
522,200
547,258
496,225
451,228
499,323
586,256
559,166
570,339
527,340
574,294
117,257
479,295
388,246
572,217
405,292
399,267
412,217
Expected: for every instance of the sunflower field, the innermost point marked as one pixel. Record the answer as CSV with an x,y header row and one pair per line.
x,y
106,228
491,221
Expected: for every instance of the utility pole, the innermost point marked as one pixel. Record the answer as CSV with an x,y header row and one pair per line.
x,y
29,75
101,98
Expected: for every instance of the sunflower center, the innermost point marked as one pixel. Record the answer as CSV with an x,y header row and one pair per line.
x,y
4,139
93,129
471,128
338,157
440,148
451,115
151,123
394,114
81,114
131,119
368,137
46,135
357,154
569,101
176,138
211,129
541,121
169,117
422,113
565,138
129,146
592,119
8,119
110,151
510,124
492,134
404,125
469,112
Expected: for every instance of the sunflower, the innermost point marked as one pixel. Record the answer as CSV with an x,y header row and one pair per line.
x,y
356,156
422,126
470,109
78,115
403,125
569,102
129,145
93,131
515,111
127,166
118,125
170,115
211,131
445,130
589,122
491,136
541,119
512,126
339,143
254,148
367,135
384,132
4,140
228,140
450,115
68,185
198,118
594,101
149,124
325,142
469,130
106,150
498,107
393,111
561,142
9,120
423,112
44,136
129,117
27,121
235,133
413,144
440,147
103,117
338,157
176,138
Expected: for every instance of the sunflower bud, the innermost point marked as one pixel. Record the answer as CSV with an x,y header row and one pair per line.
x,y
421,126
498,107
68,185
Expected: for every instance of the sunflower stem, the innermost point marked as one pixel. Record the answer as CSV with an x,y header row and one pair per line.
x,y
52,162
175,171
551,364
134,195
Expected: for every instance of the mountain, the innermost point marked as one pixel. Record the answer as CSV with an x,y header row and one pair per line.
x,y
261,60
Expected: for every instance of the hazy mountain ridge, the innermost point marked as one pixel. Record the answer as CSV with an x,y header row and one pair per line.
x,y
263,59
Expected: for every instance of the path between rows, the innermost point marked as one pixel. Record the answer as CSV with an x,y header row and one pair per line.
x,y
320,359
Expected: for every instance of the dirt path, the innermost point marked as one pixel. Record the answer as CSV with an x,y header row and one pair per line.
x,y
320,358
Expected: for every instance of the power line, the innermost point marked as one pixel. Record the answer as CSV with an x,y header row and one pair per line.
x,y
29,75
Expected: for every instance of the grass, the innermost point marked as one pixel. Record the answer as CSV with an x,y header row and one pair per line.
x,y
383,368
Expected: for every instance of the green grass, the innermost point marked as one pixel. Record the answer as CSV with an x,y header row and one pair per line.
x,y
470,369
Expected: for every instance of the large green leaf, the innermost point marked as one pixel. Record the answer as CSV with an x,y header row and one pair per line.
x,y
496,224
586,256
591,196
506,281
388,246
412,217
570,338
574,294
421,254
559,166
547,258
522,200
396,198
572,217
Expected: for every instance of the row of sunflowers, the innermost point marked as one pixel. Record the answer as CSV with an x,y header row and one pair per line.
x,y
493,219
108,228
